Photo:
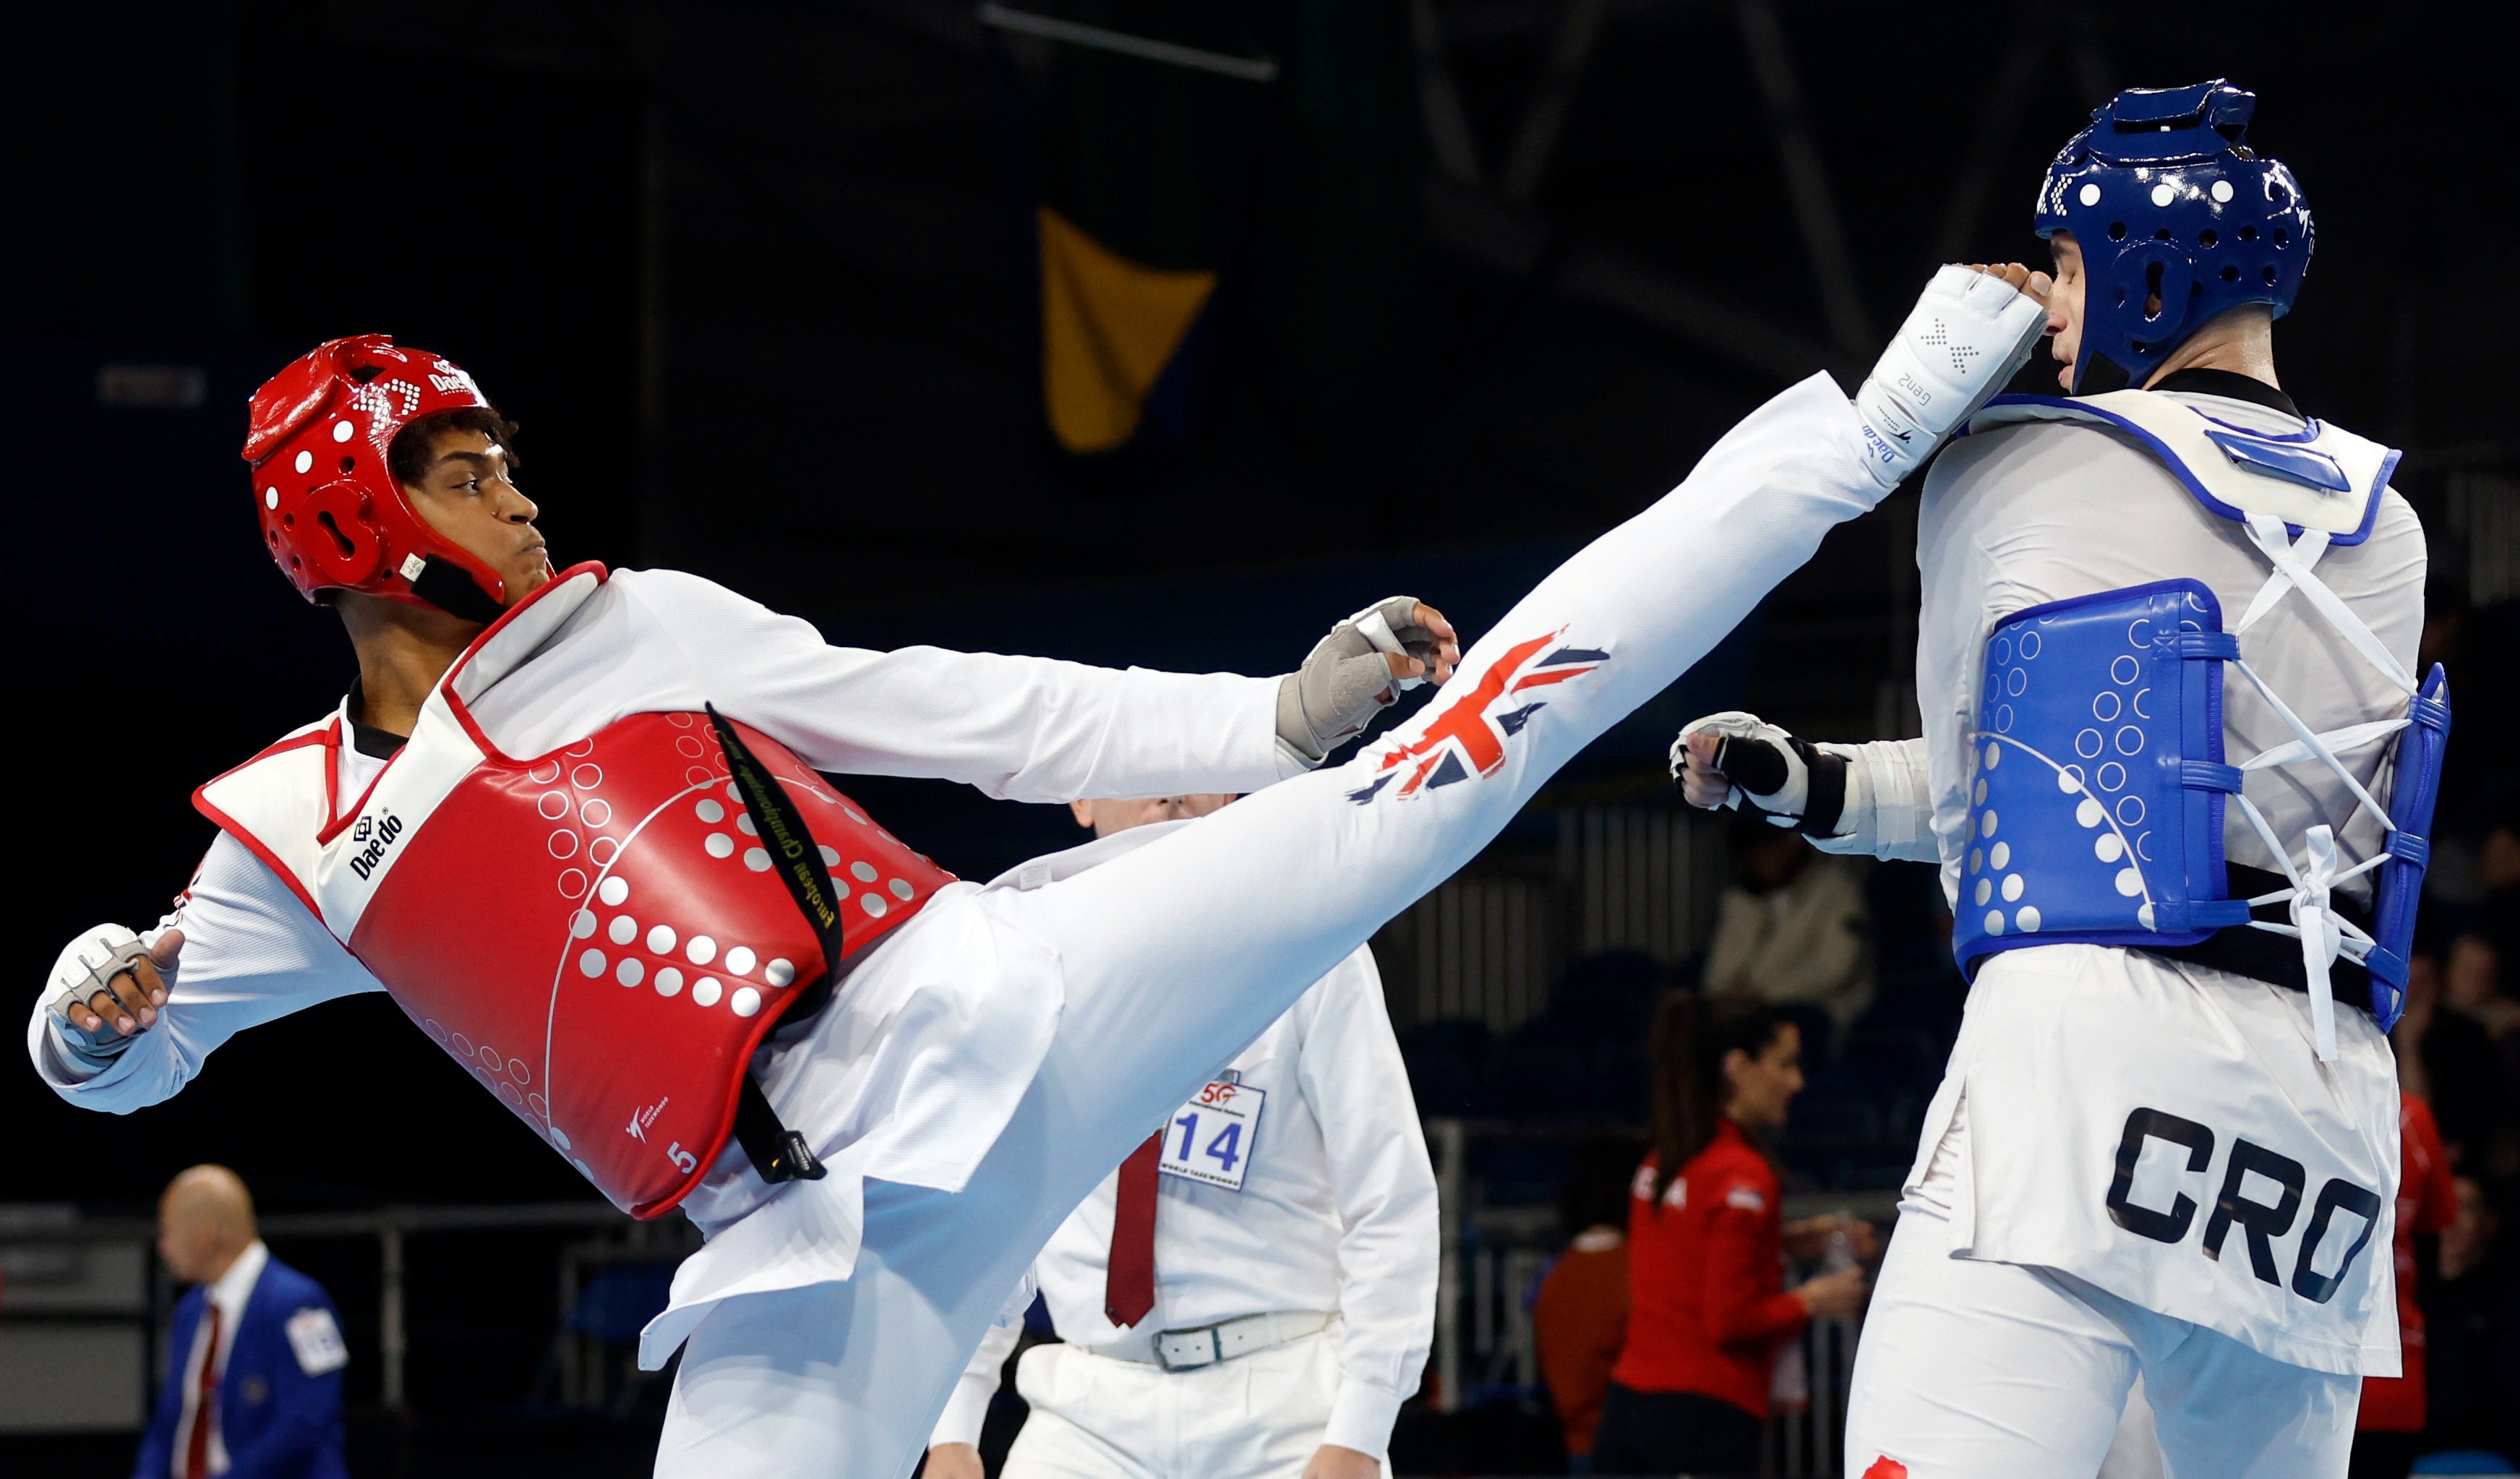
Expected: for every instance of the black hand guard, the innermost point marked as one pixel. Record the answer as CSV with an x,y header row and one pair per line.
x,y
1760,769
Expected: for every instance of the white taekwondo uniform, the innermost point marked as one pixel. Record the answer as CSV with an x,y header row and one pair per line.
x,y
990,1060
1317,1272
2012,1313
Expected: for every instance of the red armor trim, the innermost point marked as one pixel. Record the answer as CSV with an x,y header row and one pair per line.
x,y
593,932
328,736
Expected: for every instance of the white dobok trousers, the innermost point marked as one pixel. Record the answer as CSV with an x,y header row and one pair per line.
x,y
1257,1416
1993,1349
1177,954
1973,1369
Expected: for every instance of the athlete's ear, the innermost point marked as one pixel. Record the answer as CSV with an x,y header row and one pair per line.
x,y
1083,812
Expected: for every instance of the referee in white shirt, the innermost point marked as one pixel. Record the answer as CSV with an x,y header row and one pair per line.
x,y
1252,1294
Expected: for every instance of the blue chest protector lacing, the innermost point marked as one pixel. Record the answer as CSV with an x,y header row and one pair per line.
x,y
2099,785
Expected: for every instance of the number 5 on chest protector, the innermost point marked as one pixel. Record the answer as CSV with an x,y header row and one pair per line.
x,y
1212,1136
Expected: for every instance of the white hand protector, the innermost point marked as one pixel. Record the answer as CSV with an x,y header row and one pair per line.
x,y
88,965
1789,781
1344,681
1966,337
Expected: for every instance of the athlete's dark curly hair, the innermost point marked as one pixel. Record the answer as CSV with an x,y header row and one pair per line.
x,y
414,446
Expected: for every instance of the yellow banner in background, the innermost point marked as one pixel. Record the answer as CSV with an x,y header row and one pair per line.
x,y
1108,327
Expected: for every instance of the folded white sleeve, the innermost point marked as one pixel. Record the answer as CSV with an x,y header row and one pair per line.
x,y
1889,811
1021,728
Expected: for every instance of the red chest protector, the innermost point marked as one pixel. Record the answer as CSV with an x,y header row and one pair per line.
x,y
601,935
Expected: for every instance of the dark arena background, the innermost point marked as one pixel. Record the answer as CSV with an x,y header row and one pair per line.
x,y
935,322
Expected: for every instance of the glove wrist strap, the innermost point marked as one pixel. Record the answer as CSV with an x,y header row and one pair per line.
x,y
1824,805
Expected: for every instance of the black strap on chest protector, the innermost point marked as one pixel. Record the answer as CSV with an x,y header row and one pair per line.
x,y
777,1152
2262,955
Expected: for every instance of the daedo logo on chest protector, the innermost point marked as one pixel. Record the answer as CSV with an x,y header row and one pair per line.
x,y
2240,1204
372,836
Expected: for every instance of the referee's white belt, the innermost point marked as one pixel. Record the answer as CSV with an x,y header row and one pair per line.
x,y
1206,1345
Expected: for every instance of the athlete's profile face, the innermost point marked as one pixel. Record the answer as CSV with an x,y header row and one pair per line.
x,y
2065,306
468,496
1763,1088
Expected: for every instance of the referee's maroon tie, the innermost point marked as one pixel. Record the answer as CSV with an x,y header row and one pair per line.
x,y
206,1400
1129,1280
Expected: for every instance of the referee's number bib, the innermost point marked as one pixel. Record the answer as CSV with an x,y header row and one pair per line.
x,y
1210,1140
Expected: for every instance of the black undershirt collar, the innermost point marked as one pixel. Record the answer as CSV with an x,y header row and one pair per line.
x,y
374,744
2230,387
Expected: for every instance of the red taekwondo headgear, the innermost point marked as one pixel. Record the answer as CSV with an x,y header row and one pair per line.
x,y
330,510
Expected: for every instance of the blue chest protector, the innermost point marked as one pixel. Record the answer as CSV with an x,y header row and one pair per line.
x,y
2097,813
2099,785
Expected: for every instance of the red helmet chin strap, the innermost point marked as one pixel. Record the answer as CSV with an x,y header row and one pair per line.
x,y
332,513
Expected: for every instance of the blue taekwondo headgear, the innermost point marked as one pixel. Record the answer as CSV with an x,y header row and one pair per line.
x,y
2171,207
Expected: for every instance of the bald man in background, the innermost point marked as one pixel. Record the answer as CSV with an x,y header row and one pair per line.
x,y
255,1355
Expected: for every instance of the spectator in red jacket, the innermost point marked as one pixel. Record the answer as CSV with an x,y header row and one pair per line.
x,y
1708,1308
2389,1428
1580,1318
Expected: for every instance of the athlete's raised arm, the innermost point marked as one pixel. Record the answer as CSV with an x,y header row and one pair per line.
x,y
1034,729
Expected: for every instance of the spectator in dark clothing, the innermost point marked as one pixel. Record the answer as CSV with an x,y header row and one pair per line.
x,y
1792,931
2447,1058
2472,983
2497,880
2469,1324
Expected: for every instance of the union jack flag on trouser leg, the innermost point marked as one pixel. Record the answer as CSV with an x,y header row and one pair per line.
x,y
1467,733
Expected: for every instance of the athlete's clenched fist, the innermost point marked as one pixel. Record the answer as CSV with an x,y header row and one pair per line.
x,y
1739,760
109,985
1361,666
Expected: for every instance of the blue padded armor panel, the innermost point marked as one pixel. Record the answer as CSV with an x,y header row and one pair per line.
x,y
2095,803
2414,782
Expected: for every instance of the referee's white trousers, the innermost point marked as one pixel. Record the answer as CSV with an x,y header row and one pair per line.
x,y
1257,1416
1175,956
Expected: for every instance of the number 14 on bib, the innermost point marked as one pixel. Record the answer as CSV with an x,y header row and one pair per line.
x,y
1210,1140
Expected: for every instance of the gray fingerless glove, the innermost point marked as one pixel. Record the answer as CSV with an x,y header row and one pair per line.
x,y
1344,681
87,965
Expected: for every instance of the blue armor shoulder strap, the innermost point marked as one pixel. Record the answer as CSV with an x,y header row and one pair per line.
x,y
2322,478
